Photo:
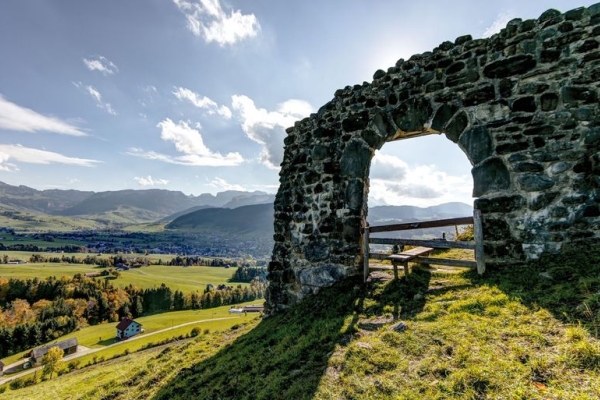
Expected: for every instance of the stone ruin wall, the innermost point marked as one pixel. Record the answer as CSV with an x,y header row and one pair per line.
x,y
523,106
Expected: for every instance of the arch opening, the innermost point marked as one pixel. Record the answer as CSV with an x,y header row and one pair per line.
x,y
425,178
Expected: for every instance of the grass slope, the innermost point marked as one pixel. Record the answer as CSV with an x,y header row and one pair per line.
x,y
37,222
514,334
253,219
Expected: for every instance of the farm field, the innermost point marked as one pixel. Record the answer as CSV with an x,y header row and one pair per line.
x,y
103,335
185,279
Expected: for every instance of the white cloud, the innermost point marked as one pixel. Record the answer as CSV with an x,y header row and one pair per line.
x,y
5,165
188,141
101,64
16,118
500,23
95,94
203,102
35,156
149,181
268,127
392,181
207,18
222,184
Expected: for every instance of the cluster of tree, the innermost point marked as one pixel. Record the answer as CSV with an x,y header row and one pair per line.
x,y
33,248
25,326
102,262
39,310
188,261
248,274
117,260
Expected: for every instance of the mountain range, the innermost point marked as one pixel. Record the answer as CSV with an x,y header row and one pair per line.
x,y
234,212
258,219
123,206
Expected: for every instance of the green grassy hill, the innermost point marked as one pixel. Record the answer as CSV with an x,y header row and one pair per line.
x,y
157,202
255,219
521,333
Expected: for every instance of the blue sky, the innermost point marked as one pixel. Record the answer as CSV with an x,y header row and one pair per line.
x,y
195,95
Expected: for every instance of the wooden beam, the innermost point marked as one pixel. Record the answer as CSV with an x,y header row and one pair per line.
x,y
478,232
378,256
422,224
436,244
445,261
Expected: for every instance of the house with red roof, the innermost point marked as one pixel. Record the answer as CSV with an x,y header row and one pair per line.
x,y
128,328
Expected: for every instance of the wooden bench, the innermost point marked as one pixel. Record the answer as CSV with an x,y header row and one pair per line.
x,y
406,256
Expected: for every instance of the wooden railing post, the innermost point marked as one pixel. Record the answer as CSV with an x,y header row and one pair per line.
x,y
366,252
478,232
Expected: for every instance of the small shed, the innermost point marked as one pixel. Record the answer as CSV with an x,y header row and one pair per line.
x,y
128,328
68,346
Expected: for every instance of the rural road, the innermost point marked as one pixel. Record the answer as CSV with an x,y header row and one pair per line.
x,y
86,350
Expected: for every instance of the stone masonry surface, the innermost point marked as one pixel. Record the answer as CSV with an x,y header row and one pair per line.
x,y
523,105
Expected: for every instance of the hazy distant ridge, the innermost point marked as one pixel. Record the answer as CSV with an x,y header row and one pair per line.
x,y
259,218
123,205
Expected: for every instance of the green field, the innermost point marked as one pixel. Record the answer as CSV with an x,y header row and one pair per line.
x,y
185,279
28,222
99,336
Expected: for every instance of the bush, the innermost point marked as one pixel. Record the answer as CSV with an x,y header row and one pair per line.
x,y
466,234
195,331
73,365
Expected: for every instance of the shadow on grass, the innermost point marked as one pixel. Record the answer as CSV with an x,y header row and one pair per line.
x,y
286,356
107,342
567,285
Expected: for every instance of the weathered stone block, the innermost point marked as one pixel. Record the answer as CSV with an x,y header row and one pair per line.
x,y
490,176
549,101
496,229
469,76
543,130
509,66
512,147
456,126
535,182
455,67
525,104
573,95
355,195
383,125
529,167
372,138
355,159
411,116
501,204
442,116
355,122
316,251
476,143
463,39
480,95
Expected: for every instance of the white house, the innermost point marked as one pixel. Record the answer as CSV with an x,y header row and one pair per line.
x,y
128,328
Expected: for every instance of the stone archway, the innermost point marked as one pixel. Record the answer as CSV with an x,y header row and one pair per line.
x,y
523,106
